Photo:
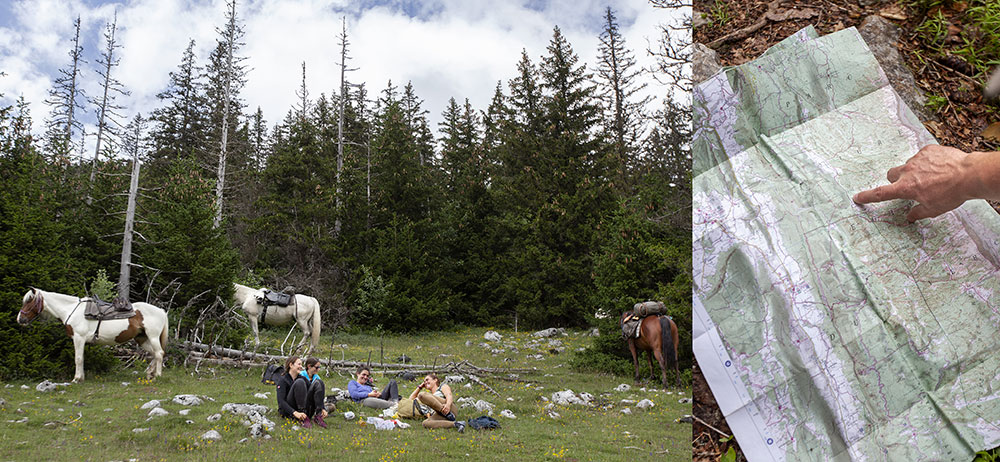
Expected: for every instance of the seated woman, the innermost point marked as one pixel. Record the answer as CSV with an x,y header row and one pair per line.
x,y
300,392
362,390
439,398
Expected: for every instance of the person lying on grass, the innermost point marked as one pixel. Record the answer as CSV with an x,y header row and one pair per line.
x,y
362,390
300,392
439,398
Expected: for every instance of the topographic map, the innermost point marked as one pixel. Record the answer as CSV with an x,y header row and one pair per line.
x,y
829,330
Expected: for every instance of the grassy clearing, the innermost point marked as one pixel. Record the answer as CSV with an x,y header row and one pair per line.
x,y
95,420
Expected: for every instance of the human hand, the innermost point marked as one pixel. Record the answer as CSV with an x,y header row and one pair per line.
x,y
939,178
373,394
299,415
445,409
325,413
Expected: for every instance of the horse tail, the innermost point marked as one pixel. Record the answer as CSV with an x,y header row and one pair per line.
x,y
163,333
667,342
316,324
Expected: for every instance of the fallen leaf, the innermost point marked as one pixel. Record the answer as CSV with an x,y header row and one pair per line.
x,y
893,12
992,133
934,128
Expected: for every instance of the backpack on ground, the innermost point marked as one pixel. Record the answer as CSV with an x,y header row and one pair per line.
x,y
272,372
408,408
484,423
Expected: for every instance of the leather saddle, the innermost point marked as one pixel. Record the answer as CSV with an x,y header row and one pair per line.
x,y
101,310
275,298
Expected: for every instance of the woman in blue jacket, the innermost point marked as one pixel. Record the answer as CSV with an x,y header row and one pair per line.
x,y
362,390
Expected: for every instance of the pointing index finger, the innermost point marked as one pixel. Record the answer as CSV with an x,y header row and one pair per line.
x,y
880,194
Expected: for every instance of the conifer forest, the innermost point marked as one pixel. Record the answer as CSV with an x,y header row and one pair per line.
x,y
561,204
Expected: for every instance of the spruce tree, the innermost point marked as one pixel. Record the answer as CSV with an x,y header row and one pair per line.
x,y
572,177
181,125
398,177
623,107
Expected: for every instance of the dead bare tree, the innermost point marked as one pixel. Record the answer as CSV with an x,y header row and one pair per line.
x,y
133,146
63,100
340,118
673,48
232,34
107,110
303,94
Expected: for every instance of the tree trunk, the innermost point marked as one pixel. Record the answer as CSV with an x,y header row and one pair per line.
x,y
133,190
220,183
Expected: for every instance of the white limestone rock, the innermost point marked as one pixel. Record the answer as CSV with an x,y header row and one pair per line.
x,y
187,400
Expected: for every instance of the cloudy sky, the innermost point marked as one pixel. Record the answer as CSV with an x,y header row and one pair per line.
x,y
446,48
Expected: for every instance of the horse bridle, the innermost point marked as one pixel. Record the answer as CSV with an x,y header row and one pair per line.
x,y
33,307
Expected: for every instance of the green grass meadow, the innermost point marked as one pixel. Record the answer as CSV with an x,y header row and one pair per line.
x,y
94,420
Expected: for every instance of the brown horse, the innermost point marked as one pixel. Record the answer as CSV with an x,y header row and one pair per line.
x,y
653,338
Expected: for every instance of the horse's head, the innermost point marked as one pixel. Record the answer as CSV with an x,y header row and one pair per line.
x,y
31,306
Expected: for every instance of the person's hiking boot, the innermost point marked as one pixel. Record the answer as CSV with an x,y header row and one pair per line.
x,y
306,423
318,418
460,425
450,416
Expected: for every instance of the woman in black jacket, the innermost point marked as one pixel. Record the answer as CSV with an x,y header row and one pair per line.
x,y
298,398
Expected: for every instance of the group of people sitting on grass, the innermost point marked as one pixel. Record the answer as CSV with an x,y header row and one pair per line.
x,y
301,395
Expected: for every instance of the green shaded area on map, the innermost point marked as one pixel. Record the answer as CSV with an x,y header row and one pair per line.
x,y
857,335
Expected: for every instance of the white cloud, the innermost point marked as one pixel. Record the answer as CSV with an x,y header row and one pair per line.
x,y
451,48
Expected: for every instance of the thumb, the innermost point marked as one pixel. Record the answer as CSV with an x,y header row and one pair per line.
x,y
919,212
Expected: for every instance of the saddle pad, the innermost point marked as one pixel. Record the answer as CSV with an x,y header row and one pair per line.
x,y
630,328
100,310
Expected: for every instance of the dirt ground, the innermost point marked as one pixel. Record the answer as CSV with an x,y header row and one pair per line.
x,y
741,30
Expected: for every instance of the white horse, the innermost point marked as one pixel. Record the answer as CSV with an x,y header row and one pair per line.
x,y
304,310
148,326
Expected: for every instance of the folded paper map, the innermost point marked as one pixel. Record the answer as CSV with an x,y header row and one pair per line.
x,y
829,330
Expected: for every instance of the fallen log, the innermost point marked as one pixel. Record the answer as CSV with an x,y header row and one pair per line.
x,y
198,358
262,358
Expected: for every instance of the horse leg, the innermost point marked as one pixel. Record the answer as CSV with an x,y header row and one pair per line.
x,y
148,348
676,361
78,344
253,326
649,356
152,345
635,359
662,362
306,334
